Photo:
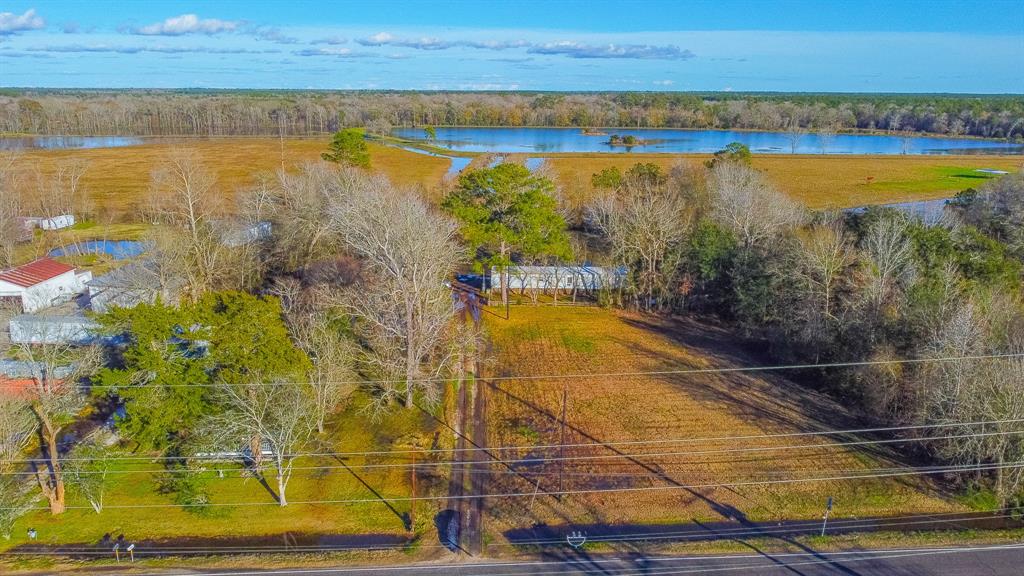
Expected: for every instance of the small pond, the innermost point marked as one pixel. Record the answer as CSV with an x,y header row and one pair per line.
x,y
118,249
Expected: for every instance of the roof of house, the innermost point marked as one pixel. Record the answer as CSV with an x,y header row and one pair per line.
x,y
35,272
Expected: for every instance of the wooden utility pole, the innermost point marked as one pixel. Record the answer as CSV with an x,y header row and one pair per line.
x,y
412,501
561,443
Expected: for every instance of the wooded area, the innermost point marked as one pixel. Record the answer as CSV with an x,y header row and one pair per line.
x,y
238,113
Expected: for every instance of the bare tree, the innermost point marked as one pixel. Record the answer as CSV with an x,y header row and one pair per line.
x,y
183,198
747,204
409,253
333,357
646,223
297,205
795,133
16,427
89,470
55,396
888,259
826,134
969,390
823,256
280,414
11,228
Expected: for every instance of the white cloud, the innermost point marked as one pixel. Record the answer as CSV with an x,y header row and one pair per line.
x,y
336,52
188,24
11,23
664,82
630,51
433,43
72,48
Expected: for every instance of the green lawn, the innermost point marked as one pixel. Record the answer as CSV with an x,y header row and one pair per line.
x,y
350,431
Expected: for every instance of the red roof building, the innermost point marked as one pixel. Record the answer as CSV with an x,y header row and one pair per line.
x,y
34,273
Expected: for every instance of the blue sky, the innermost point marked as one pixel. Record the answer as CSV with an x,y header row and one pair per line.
x,y
787,45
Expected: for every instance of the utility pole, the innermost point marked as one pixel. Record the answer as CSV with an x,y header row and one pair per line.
x,y
561,443
412,502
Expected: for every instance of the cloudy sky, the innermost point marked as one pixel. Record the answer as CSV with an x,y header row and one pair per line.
x,y
786,45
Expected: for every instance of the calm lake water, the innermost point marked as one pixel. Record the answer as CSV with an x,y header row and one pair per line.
x,y
119,249
58,142
533,140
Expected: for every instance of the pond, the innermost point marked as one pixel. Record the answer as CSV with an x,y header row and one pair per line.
x,y
544,140
58,142
118,249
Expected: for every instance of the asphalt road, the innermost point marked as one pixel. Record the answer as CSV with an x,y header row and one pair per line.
x,y
1001,560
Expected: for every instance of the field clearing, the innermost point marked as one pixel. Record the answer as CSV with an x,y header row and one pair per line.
x,y
666,408
817,181
117,178
338,478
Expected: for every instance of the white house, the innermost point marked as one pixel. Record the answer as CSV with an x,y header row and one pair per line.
x,y
41,284
55,223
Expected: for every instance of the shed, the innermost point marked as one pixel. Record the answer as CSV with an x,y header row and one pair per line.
x,y
41,284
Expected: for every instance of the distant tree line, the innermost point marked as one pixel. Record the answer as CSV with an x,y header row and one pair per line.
x,y
301,113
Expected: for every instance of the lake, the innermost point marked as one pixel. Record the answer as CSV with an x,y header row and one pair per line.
x,y
546,140
118,249
59,142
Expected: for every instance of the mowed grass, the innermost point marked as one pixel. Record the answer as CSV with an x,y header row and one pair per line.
x,y
150,515
117,179
689,478
819,182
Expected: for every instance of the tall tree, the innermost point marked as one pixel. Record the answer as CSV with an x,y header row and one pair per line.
x,y
348,147
409,254
507,209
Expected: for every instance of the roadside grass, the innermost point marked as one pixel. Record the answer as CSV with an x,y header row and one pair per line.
x,y
149,515
117,179
661,408
819,182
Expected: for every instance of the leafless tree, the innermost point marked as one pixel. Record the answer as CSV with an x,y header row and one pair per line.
x,y
646,224
297,205
184,200
826,134
409,253
16,427
11,229
795,133
888,260
747,204
54,395
280,414
970,390
332,377
823,256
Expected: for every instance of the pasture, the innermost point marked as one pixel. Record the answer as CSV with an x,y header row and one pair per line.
x,y
637,433
117,179
819,182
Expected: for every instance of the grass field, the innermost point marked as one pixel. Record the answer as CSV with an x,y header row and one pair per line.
x,y
117,178
603,410
818,181
342,479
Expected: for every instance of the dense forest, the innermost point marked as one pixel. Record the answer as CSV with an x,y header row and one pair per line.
x,y
300,113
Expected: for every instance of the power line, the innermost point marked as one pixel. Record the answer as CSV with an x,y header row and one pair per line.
x,y
576,445
682,371
906,472
528,461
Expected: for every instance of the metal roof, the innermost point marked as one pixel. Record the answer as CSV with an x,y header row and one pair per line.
x,y
35,272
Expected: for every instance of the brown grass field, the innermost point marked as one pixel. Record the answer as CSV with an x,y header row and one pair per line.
x,y
117,178
819,182
667,408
